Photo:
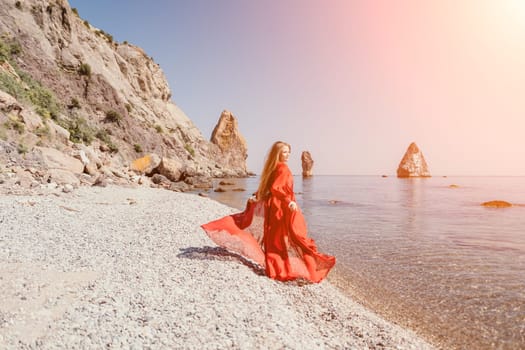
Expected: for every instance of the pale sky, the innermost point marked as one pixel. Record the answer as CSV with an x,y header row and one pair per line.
x,y
353,82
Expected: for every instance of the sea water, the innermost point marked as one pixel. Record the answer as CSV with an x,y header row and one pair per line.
x,y
423,252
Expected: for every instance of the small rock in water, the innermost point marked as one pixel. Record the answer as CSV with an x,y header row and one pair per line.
x,y
497,204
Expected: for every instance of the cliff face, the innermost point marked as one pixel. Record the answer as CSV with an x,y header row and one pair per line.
x,y
110,97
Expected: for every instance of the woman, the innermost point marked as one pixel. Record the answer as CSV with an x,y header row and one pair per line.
x,y
272,230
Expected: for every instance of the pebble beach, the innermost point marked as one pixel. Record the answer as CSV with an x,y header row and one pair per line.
x,y
118,267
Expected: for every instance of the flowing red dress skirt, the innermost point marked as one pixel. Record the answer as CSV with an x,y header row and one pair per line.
x,y
270,234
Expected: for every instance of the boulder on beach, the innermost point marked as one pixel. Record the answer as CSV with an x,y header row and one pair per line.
x,y
146,164
413,163
173,169
55,159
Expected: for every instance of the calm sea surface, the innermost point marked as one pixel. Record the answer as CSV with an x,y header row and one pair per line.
x,y
421,253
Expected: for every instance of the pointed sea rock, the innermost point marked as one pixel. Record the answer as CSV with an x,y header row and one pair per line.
x,y
307,163
413,163
232,144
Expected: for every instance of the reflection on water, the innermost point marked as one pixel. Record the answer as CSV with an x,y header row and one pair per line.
x,y
412,194
423,254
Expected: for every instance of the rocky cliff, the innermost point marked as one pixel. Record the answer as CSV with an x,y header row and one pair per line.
x,y
69,86
413,163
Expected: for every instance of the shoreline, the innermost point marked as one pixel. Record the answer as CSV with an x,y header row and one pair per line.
x,y
130,267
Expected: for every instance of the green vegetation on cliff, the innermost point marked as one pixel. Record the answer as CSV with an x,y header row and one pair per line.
x,y
24,88
21,85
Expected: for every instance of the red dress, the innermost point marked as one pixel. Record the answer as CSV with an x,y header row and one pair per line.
x,y
272,235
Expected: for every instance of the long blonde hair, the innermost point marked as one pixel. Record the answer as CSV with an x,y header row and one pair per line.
x,y
269,166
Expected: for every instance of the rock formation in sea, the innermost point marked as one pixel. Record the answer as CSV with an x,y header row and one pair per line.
x,y
69,86
307,163
232,145
413,163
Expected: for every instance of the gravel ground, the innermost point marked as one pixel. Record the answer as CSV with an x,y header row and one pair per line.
x,y
120,267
